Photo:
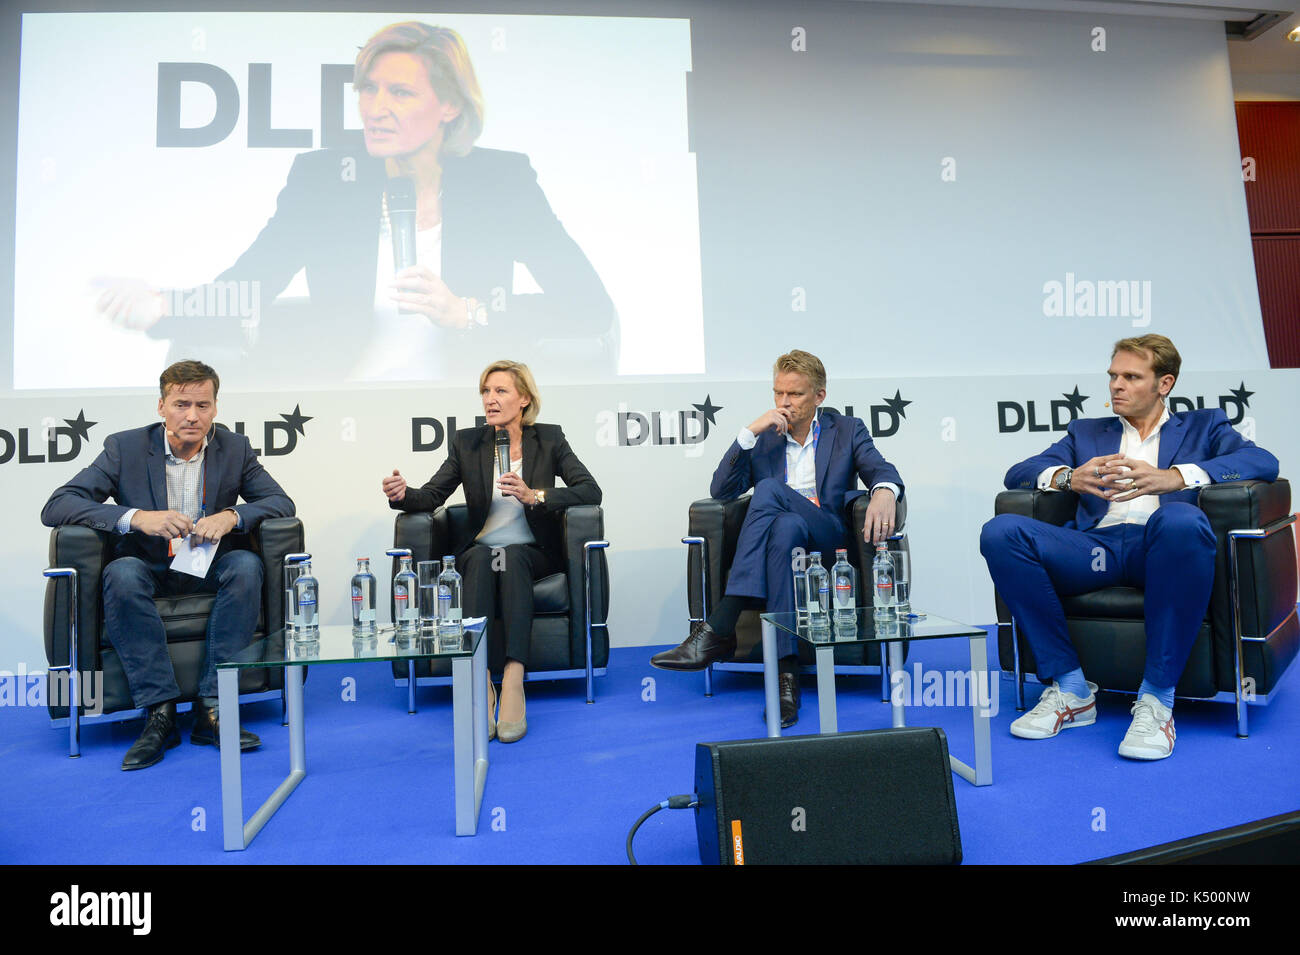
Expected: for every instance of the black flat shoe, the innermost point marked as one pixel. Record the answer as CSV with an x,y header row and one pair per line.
x,y
702,647
207,729
158,736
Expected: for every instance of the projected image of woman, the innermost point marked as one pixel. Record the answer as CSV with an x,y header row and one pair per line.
x,y
478,214
514,516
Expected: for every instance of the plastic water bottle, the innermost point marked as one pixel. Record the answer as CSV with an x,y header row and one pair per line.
x,y
363,598
882,573
450,625
845,580
306,621
405,612
819,596
799,565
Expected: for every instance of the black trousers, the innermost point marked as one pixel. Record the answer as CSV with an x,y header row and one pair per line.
x,y
498,585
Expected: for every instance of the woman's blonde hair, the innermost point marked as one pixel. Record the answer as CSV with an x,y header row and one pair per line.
x,y
450,73
524,384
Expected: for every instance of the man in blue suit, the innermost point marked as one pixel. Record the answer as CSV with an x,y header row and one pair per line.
x,y
1137,525
803,464
180,478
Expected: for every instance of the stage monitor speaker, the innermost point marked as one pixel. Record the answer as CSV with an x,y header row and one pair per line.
x,y
881,797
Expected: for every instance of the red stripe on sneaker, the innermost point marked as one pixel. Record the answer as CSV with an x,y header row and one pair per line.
x,y
1069,715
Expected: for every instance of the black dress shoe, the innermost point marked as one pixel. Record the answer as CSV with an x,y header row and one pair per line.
x,y
207,729
159,735
702,647
790,696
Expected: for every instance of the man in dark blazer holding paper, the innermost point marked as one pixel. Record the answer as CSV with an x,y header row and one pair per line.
x,y
180,478
803,464
1137,525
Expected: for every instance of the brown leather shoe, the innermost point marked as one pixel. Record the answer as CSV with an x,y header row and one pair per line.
x,y
702,647
791,698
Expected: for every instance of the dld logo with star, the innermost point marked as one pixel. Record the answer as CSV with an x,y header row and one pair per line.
x,y
1014,416
279,437
1234,403
631,428
61,443
883,419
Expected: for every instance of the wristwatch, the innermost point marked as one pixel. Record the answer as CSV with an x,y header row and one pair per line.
x,y
1062,482
539,497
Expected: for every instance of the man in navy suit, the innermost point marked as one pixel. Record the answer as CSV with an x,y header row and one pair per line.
x,y
803,464
1137,525
179,478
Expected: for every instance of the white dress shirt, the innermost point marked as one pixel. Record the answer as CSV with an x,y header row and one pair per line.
x,y
801,459
1131,445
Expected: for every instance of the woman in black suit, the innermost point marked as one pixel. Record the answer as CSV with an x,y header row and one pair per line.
x,y
523,519
478,212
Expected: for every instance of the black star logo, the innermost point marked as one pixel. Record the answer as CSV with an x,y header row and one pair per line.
x,y
1242,395
1076,400
708,409
296,420
81,426
896,404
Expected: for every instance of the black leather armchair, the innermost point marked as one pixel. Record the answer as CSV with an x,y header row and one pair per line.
x,y
1250,633
714,527
86,551
570,636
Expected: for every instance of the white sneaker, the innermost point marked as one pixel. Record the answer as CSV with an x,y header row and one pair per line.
x,y
1057,710
1151,734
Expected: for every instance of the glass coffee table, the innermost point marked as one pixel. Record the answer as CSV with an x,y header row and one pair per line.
x,y
893,633
337,644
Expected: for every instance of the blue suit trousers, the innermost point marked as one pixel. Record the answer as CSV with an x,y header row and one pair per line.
x,y
1170,558
779,519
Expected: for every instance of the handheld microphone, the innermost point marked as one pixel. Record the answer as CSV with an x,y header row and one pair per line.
x,y
400,200
503,453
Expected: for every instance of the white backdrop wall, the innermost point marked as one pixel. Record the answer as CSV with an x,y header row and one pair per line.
x,y
929,199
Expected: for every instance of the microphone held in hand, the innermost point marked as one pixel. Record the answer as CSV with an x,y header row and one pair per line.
x,y
503,453
400,199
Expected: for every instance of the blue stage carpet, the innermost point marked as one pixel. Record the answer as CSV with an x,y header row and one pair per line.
x,y
379,783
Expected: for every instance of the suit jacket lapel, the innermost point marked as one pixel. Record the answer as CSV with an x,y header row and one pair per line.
x,y
532,454
487,454
1109,440
210,480
1171,439
157,465
825,448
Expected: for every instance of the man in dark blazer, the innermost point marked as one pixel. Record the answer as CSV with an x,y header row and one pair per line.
x,y
803,464
182,477
1137,525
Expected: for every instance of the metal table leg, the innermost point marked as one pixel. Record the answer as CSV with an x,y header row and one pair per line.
x,y
470,727
236,833
770,694
828,719
981,710
895,651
